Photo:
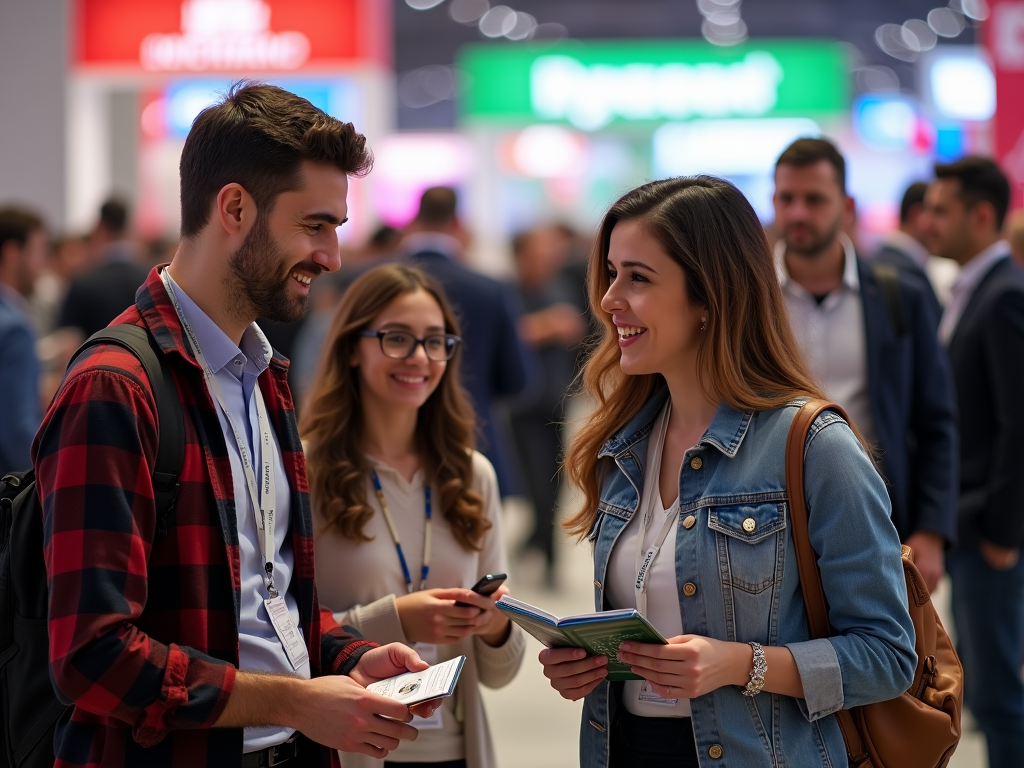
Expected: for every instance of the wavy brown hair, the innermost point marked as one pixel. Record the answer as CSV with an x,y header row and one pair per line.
x,y
748,356
332,425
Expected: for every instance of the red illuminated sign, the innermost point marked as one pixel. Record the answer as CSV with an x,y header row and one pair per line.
x,y
1005,41
197,36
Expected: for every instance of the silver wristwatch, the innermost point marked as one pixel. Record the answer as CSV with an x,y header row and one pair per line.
x,y
757,673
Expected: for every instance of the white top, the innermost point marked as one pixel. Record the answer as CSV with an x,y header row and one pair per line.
x,y
965,284
359,582
831,337
662,586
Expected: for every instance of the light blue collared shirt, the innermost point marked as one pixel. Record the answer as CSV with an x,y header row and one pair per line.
x,y
237,370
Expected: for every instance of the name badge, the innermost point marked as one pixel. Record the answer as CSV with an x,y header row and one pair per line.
x,y
648,696
287,632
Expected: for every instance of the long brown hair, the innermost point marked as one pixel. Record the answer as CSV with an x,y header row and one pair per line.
x,y
748,357
332,424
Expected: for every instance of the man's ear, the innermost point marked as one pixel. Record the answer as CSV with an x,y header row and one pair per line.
x,y
236,210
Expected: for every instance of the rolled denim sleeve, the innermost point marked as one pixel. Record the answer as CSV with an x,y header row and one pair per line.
x,y
873,657
818,666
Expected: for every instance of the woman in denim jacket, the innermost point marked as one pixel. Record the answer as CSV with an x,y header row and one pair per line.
x,y
683,478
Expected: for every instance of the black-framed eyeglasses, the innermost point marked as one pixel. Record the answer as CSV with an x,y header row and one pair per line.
x,y
401,344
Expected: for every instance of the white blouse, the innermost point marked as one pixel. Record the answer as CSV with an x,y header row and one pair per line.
x,y
662,589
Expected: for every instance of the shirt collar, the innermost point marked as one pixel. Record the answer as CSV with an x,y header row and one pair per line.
x,y
974,270
726,431
217,348
850,277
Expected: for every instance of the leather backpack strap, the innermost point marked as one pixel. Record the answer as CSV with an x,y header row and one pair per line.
x,y
807,561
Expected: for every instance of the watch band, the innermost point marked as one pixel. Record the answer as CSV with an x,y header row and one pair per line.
x,y
757,673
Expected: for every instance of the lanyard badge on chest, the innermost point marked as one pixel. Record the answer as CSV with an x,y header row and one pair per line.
x,y
425,567
262,489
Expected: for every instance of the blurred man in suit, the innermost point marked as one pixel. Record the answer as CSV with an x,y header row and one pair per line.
x,y
983,329
495,363
22,260
904,248
108,289
868,337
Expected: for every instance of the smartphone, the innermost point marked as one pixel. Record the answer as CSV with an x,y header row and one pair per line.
x,y
487,585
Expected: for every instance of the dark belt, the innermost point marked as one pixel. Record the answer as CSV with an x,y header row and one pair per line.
x,y
276,755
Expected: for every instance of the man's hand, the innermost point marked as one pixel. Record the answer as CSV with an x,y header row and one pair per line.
x,y
999,558
388,661
929,556
339,712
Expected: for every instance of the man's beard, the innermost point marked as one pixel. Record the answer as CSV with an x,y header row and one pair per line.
x,y
816,244
257,284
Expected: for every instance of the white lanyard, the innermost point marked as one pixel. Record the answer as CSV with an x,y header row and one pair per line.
x,y
645,560
263,495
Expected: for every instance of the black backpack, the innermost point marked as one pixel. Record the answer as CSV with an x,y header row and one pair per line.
x,y
28,704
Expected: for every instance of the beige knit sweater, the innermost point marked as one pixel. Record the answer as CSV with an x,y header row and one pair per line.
x,y
359,582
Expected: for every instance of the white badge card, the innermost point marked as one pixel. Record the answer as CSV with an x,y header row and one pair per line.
x,y
433,723
287,632
648,695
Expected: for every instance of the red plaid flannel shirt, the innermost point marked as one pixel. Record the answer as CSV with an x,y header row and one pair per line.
x,y
144,627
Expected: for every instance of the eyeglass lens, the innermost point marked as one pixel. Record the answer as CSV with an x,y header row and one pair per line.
x,y
400,345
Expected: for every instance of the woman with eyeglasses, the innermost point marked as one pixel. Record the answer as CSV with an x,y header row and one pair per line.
x,y
406,511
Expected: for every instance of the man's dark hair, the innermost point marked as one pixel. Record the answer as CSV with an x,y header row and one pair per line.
x,y
17,224
258,137
913,196
981,181
807,151
114,216
438,207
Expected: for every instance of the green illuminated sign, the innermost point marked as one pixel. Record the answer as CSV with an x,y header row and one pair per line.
x,y
591,85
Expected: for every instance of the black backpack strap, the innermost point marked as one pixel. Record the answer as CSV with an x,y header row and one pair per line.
x,y
888,276
171,420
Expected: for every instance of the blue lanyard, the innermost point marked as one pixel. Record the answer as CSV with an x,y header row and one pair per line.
x,y
425,568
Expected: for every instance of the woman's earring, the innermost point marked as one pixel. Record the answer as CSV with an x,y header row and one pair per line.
x,y
703,323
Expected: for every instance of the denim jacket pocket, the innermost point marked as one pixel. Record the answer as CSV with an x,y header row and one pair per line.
x,y
751,543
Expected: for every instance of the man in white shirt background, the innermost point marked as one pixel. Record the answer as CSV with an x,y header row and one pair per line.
x,y
869,341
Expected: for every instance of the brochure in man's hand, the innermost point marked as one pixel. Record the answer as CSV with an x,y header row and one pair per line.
x,y
413,687
596,633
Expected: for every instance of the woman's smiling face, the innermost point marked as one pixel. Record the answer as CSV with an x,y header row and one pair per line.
x,y
387,382
658,325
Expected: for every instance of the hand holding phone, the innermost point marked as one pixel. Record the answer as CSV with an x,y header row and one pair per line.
x,y
487,585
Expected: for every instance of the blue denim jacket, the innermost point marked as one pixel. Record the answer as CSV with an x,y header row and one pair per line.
x,y
747,586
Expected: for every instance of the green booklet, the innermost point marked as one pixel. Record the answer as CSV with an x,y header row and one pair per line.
x,y
596,633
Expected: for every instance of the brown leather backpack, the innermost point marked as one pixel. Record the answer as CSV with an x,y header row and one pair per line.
x,y
921,728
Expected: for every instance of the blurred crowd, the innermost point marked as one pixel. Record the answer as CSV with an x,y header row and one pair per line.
x,y
57,290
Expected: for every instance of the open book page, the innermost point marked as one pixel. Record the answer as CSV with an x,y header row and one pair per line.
x,y
597,633
413,687
541,624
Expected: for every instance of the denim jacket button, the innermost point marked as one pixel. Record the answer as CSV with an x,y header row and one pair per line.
x,y
749,525
689,521
689,589
696,462
715,751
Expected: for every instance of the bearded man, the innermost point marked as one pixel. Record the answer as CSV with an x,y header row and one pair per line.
x,y
200,641
868,337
